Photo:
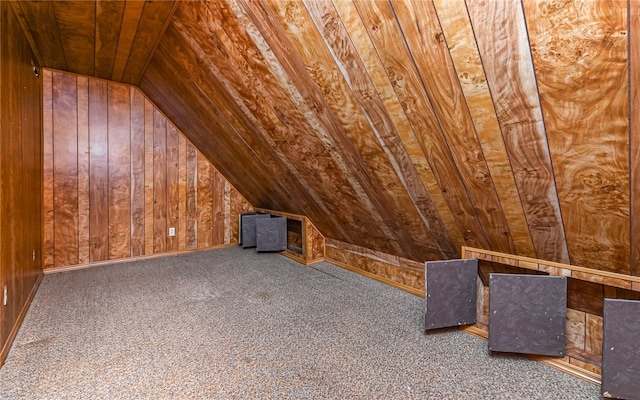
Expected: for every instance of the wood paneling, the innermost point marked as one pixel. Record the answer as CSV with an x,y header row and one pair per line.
x,y
173,194
508,66
98,170
205,203
580,56
159,182
65,168
121,155
137,173
83,170
21,176
465,80
634,134
106,39
427,159
437,92
407,127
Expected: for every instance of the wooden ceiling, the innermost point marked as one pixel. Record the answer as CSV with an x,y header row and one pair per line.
x,y
106,39
408,127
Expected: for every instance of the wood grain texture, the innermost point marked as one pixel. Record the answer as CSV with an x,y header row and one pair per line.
x,y
385,266
191,218
65,169
108,25
217,211
593,338
48,246
380,144
205,203
76,27
148,177
580,56
389,43
156,84
138,160
576,329
98,172
49,51
21,175
466,95
131,18
182,193
120,125
510,76
373,65
173,194
83,170
151,25
634,134
244,91
280,24
119,154
159,182
238,206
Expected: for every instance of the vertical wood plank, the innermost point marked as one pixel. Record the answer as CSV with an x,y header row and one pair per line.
x,y
159,182
65,169
98,172
409,138
75,23
218,217
137,173
182,193
205,203
148,178
83,170
192,199
386,37
130,20
576,329
634,133
227,212
108,25
48,245
584,97
237,207
510,75
173,192
468,82
593,340
119,140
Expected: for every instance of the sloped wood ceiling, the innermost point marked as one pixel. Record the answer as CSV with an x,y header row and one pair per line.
x,y
106,39
415,127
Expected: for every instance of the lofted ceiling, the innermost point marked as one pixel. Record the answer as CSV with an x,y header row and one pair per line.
x,y
408,127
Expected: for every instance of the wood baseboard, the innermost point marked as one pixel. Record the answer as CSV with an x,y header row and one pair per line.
x,y
56,270
378,278
300,259
16,327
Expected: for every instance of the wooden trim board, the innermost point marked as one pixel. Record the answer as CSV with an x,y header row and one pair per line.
x,y
16,327
132,259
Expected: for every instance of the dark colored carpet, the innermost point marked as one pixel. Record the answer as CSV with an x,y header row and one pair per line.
x,y
234,324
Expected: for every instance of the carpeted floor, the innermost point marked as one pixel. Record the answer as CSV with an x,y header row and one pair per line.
x,y
234,324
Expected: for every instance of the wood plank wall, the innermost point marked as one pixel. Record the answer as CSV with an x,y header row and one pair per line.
x,y
518,141
118,175
20,177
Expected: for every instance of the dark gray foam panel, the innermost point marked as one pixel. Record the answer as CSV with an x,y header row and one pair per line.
x,y
527,314
621,349
271,234
450,293
248,229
